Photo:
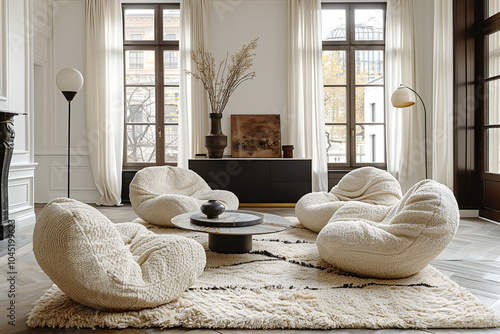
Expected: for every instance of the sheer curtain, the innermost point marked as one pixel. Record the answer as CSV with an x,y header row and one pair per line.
x,y
104,96
442,150
405,127
194,108
306,116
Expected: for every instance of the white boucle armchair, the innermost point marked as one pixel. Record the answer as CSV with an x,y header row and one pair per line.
x,y
160,193
115,267
398,244
372,188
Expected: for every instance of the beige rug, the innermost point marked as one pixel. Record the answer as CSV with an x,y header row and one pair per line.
x,y
283,283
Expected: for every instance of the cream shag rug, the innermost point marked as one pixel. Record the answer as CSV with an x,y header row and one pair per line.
x,y
283,283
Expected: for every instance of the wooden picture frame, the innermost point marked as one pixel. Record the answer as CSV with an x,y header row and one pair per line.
x,y
255,136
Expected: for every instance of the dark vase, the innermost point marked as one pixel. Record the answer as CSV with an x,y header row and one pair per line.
x,y
215,141
212,208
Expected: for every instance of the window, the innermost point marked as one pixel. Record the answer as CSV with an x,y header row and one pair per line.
x,y
151,54
353,74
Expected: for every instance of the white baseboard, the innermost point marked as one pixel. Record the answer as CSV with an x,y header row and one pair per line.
x,y
25,220
469,213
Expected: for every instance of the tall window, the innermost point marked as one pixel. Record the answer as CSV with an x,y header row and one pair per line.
x,y
353,71
151,54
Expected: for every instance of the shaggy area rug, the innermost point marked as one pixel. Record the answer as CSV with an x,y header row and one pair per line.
x,y
283,283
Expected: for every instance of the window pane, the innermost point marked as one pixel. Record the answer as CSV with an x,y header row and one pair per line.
x,y
139,67
335,105
140,105
493,62
333,24
493,150
493,102
141,143
370,143
336,143
334,67
171,142
171,24
171,67
370,105
369,24
493,7
369,67
171,105
139,24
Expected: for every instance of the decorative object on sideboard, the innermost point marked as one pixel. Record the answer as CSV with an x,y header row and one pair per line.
x,y
287,151
403,98
255,136
212,208
69,81
7,135
220,82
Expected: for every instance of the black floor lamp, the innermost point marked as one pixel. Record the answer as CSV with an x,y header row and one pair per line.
x,y
402,98
69,81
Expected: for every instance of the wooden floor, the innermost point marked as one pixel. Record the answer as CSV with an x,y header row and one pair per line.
x,y
472,260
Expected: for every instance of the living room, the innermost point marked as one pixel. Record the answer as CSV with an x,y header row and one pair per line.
x,y
321,149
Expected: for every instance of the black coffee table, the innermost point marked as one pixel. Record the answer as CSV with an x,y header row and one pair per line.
x,y
233,240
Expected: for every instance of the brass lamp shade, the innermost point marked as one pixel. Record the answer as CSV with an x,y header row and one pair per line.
x,y
403,98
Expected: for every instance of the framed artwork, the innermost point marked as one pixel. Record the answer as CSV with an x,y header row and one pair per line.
x,y
3,47
255,136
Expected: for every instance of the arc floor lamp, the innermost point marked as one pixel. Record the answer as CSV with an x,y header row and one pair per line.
x,y
403,97
69,81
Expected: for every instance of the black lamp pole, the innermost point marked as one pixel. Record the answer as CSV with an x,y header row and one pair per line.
x,y
69,96
425,125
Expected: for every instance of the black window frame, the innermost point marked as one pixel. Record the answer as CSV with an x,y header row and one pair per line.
x,y
350,45
158,45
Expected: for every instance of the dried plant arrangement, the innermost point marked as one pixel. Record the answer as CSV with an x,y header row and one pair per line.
x,y
221,81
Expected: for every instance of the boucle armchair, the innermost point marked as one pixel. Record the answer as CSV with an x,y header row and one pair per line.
x,y
158,194
401,244
368,186
109,266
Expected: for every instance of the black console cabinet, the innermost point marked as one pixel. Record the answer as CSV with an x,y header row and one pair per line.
x,y
257,180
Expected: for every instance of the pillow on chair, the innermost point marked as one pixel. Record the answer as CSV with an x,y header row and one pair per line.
x,y
367,185
111,266
158,194
412,234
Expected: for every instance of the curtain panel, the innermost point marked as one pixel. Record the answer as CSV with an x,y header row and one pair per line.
x,y
104,96
194,108
405,127
442,148
306,117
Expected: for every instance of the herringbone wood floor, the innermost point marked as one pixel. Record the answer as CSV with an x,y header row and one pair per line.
x,y
472,260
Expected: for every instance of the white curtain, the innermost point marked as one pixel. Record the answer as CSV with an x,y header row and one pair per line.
x,y
405,127
194,108
306,117
442,148
104,96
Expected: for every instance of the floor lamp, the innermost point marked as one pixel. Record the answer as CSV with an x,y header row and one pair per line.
x,y
69,81
403,98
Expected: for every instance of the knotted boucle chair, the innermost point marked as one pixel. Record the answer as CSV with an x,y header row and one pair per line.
x,y
371,188
398,244
158,194
111,266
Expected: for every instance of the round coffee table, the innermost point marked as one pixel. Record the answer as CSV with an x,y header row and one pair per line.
x,y
232,240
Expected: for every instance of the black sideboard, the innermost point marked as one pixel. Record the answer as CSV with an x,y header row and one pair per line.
x,y
262,180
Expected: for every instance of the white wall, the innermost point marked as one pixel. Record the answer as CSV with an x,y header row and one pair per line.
x,y
236,23
19,88
60,43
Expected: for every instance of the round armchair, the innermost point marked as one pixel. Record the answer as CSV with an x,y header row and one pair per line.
x,y
158,194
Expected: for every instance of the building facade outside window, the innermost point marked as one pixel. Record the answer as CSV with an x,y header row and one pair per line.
x,y
151,57
353,71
